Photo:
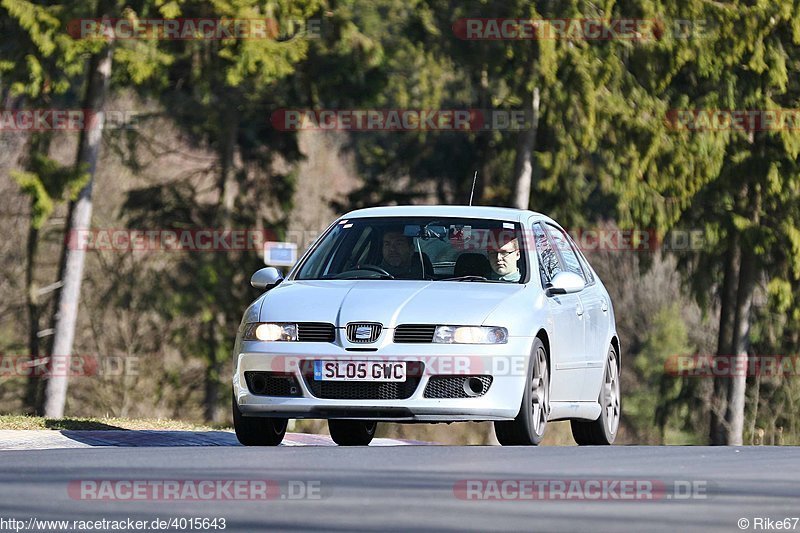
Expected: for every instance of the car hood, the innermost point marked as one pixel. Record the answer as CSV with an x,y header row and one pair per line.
x,y
388,302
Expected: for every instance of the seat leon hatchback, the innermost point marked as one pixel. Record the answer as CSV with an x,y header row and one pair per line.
x,y
431,314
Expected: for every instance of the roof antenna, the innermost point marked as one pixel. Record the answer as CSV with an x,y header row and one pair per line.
x,y
474,178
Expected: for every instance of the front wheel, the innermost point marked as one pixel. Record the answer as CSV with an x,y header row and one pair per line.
x,y
529,426
258,431
352,432
603,431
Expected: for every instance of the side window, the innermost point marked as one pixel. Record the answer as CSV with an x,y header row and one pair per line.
x,y
561,243
548,259
584,264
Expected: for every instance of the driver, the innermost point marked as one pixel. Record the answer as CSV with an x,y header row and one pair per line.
x,y
504,257
396,254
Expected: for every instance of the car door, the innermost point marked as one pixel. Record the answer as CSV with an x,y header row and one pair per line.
x,y
596,321
567,344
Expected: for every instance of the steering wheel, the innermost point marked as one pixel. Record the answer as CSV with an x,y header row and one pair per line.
x,y
374,268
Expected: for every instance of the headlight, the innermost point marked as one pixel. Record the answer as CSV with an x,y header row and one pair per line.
x,y
470,335
264,331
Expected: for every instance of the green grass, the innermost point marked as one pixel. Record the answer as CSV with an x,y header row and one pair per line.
x,y
38,422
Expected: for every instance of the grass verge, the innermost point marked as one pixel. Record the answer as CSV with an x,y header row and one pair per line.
x,y
38,422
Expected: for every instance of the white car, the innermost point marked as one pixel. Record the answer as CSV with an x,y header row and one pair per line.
x,y
431,314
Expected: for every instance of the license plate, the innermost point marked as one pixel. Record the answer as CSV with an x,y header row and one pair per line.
x,y
359,371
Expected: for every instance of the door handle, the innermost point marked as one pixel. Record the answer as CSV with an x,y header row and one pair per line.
x,y
579,310
604,305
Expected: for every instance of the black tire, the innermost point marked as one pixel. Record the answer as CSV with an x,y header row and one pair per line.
x,y
256,430
352,432
603,431
528,428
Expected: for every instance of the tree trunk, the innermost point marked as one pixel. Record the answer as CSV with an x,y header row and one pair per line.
x,y
80,215
734,415
212,374
740,342
526,144
33,390
719,400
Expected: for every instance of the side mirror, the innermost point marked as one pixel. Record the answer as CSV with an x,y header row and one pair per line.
x,y
266,278
565,283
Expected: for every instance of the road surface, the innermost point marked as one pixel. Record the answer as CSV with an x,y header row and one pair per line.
x,y
433,488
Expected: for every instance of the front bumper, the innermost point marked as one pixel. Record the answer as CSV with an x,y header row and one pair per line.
x,y
507,364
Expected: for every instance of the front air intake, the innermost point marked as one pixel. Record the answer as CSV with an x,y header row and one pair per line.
x,y
414,333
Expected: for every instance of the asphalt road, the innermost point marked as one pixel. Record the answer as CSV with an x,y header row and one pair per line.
x,y
420,487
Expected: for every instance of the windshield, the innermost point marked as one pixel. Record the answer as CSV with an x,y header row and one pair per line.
x,y
419,248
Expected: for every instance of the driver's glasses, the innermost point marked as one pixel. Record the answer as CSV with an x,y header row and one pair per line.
x,y
503,254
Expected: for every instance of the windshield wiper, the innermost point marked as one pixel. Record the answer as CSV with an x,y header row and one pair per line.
x,y
378,276
470,278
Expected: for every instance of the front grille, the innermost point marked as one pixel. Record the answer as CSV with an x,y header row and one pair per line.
x,y
414,333
360,390
363,331
272,384
315,332
453,386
